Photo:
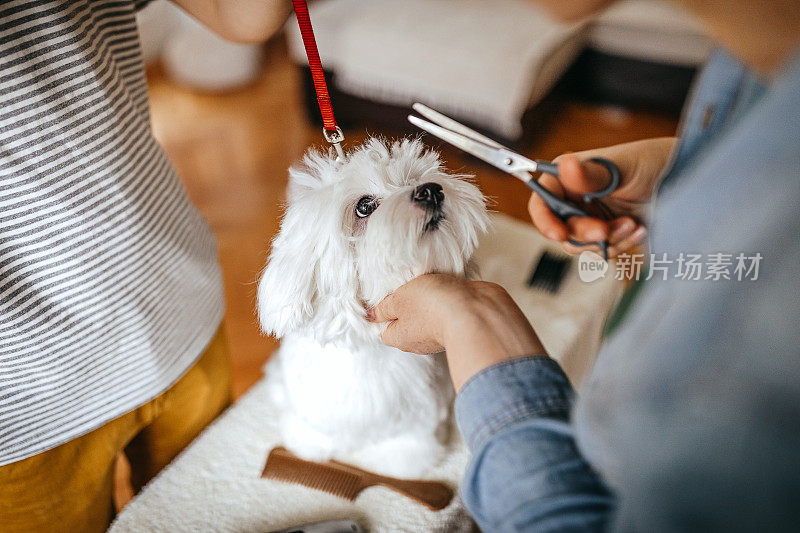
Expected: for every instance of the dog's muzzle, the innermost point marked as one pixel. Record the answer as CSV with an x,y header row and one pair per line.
x,y
430,197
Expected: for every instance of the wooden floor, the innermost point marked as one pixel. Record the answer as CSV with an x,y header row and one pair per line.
x,y
232,152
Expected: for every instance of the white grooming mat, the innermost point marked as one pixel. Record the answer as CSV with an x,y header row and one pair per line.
x,y
481,61
650,30
215,484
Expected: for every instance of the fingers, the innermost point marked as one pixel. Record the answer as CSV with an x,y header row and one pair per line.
x,y
580,177
577,177
630,242
403,336
543,218
624,235
384,311
414,294
620,229
391,334
413,314
587,229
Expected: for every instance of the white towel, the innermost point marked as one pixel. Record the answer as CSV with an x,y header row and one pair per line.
x,y
481,61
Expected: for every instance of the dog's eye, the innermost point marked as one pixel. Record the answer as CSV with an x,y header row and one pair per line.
x,y
365,206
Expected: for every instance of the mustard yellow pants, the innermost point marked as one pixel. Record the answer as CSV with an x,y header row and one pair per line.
x,y
69,488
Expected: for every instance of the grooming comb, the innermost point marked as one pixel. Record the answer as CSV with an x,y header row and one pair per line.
x,y
348,481
549,272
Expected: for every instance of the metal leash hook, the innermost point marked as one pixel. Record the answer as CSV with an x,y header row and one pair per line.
x,y
336,138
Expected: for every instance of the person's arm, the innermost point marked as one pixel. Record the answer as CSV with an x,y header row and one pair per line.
x,y
525,473
641,163
512,406
243,21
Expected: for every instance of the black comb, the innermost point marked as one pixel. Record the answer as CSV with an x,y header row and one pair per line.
x,y
549,272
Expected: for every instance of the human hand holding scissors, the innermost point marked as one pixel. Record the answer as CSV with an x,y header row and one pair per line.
x,y
641,164
551,211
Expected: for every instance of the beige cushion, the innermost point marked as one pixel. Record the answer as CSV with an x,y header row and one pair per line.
x,y
483,61
650,30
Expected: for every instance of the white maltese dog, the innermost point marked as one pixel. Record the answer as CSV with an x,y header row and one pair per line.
x,y
354,231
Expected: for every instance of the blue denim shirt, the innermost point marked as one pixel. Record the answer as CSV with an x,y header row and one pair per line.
x,y
690,419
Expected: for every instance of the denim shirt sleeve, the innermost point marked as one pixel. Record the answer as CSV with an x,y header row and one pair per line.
x,y
526,473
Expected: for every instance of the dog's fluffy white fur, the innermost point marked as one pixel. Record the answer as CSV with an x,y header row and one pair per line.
x,y
341,391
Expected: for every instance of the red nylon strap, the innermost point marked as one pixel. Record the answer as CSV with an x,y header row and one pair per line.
x,y
315,64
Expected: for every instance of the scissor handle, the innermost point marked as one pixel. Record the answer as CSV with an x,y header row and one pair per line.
x,y
603,245
613,185
552,168
564,209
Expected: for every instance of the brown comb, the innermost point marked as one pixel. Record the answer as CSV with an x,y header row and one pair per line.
x,y
348,481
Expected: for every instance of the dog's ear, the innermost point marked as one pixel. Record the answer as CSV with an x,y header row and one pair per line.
x,y
286,290
310,235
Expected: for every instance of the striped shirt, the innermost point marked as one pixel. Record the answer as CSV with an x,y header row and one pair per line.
x,y
109,285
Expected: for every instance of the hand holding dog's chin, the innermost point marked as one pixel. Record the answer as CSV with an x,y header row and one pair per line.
x,y
476,322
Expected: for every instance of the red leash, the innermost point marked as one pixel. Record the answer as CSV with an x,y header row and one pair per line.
x,y
333,134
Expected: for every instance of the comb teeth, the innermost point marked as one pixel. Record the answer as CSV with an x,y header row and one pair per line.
x,y
549,272
328,478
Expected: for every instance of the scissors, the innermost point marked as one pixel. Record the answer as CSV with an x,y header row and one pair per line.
x,y
513,163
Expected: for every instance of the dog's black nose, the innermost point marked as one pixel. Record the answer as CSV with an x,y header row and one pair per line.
x,y
429,195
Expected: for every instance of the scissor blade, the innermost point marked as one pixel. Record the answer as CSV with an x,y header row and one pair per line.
x,y
478,149
502,158
453,125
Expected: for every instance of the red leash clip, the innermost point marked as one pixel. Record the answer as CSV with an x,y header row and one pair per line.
x,y
330,130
